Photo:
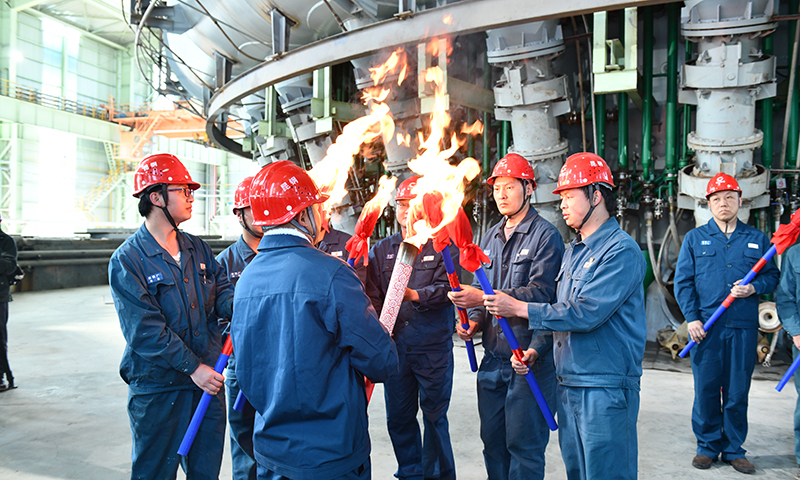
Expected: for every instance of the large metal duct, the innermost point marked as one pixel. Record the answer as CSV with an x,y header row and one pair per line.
x,y
726,79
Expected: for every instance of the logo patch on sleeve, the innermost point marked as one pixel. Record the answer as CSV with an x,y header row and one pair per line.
x,y
156,277
337,253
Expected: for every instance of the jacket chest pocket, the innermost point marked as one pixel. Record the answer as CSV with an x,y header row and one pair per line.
x,y
424,271
705,261
168,298
521,271
580,278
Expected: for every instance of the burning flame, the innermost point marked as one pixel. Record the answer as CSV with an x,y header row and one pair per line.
x,y
404,139
382,197
396,59
474,129
331,173
438,177
447,20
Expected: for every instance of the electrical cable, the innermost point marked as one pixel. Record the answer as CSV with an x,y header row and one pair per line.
x,y
226,35
338,20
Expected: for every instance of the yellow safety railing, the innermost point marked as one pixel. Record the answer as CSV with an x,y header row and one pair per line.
x,y
32,95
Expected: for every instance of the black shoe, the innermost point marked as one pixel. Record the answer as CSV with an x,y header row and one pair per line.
x,y
3,386
742,465
702,462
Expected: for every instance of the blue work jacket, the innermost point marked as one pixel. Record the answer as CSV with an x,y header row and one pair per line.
x,y
598,322
787,296
333,243
709,264
233,260
305,335
421,327
168,312
524,266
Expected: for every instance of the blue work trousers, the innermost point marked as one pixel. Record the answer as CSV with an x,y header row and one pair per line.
x,y
241,428
513,429
722,365
597,432
158,423
364,472
424,381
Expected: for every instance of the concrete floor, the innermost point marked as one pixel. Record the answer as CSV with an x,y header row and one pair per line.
x,y
68,419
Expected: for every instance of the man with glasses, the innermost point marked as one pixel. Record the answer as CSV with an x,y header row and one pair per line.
x,y
168,291
713,259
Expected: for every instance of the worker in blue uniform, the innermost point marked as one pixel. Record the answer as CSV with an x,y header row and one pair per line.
x,y
525,252
598,325
168,292
712,261
333,243
424,335
233,260
305,335
787,299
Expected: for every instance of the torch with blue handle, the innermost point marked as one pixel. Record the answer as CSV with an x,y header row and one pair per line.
x,y
205,400
730,298
514,344
783,238
455,285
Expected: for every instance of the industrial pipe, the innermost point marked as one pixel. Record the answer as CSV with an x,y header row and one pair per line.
x,y
790,119
600,124
622,136
767,112
673,25
647,93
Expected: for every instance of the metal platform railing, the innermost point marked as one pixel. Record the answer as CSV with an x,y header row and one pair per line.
x,y
32,95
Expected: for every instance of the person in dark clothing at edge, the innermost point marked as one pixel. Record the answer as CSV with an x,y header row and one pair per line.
x,y
333,243
233,261
169,291
8,264
305,335
424,336
525,252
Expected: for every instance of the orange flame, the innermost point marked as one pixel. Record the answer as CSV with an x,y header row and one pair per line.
x,y
404,139
447,20
433,166
474,129
397,58
382,197
331,173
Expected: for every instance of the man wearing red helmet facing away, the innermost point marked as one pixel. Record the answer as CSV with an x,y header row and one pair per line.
x,y
168,291
598,326
233,261
424,336
714,258
525,252
305,335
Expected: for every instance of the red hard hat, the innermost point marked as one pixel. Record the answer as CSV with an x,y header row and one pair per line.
x,y
404,189
582,169
512,165
280,191
721,182
161,168
241,198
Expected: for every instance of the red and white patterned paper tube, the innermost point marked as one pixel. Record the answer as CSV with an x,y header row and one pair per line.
x,y
401,274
